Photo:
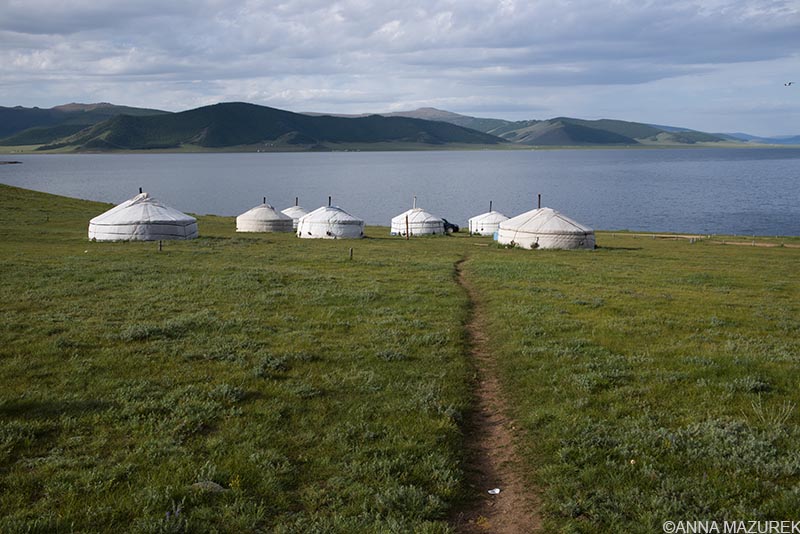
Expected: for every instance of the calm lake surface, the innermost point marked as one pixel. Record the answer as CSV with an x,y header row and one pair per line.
x,y
710,191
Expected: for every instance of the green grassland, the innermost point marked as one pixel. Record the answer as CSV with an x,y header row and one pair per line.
x,y
320,393
651,379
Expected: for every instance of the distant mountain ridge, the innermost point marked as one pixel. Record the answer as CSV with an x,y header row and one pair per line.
x,y
104,126
238,124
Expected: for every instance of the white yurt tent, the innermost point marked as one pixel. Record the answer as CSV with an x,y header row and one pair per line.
x,y
330,222
417,221
545,228
486,223
264,218
142,218
295,212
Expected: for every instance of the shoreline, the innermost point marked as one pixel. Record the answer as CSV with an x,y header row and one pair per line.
x,y
757,240
384,147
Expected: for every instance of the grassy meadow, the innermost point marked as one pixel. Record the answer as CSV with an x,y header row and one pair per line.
x,y
320,394
262,383
651,379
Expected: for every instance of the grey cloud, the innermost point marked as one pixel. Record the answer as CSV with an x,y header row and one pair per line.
x,y
314,53
498,34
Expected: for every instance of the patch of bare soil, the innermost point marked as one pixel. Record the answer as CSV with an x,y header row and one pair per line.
x,y
491,459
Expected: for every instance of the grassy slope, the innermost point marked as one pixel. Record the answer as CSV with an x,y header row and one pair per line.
x,y
15,120
655,380
633,130
22,126
567,131
41,135
322,393
652,379
561,133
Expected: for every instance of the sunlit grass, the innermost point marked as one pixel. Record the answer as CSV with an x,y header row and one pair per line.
x,y
317,392
655,380
264,383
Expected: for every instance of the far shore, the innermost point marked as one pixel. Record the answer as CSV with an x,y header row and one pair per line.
x,y
376,147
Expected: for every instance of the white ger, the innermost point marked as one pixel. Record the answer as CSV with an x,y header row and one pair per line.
x,y
486,223
545,228
295,212
264,218
142,218
330,222
417,221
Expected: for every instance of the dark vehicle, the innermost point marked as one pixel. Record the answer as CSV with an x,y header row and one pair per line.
x,y
449,227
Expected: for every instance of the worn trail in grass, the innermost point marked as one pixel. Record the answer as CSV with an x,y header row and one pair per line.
x,y
491,459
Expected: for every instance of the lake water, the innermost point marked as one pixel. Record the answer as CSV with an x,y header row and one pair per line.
x,y
710,191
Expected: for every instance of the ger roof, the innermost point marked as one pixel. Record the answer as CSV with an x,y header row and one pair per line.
x,y
544,221
142,209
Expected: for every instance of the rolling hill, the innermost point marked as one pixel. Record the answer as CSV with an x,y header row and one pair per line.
x,y
565,131
34,126
103,126
241,124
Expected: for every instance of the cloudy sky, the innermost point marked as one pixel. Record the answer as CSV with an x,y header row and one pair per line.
x,y
712,65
